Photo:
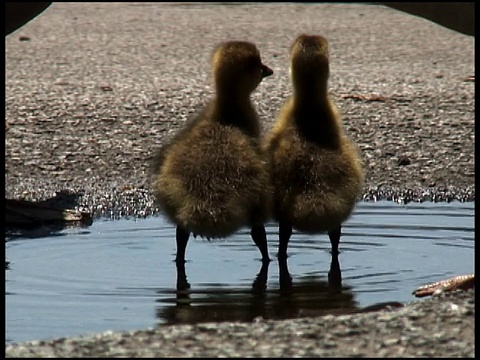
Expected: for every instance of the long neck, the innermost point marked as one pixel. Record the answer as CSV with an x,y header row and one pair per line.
x,y
316,115
310,91
237,110
231,96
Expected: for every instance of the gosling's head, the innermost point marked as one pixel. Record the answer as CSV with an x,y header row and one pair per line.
x,y
238,68
309,62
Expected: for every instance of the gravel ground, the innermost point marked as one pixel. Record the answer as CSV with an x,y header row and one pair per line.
x,y
442,328
93,90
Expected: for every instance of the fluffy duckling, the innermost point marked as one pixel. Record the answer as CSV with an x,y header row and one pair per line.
x,y
316,169
212,178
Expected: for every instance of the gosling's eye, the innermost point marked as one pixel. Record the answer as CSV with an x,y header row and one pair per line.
x,y
253,65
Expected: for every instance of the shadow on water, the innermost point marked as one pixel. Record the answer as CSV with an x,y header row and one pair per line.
x,y
35,219
121,275
309,296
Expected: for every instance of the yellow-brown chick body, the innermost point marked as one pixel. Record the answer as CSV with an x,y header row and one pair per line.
x,y
212,178
316,170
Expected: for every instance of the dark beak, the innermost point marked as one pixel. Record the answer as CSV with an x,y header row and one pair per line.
x,y
266,71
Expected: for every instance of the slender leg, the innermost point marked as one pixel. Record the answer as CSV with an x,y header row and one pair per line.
x,y
335,239
259,237
284,233
182,239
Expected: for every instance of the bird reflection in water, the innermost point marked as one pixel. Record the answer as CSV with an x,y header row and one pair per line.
x,y
303,297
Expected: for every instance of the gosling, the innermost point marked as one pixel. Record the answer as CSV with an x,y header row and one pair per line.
x,y
316,170
212,178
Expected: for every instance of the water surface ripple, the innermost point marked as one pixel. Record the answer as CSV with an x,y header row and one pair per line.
x,y
120,274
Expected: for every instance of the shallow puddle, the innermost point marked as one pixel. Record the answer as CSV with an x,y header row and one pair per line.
x,y
120,275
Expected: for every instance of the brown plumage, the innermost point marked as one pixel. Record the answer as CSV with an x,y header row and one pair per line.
x,y
316,169
212,178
